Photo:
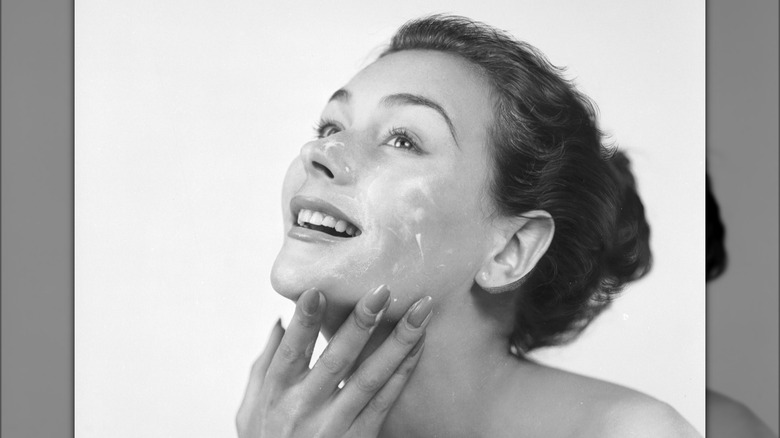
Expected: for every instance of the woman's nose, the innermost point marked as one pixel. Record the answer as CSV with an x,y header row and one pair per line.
x,y
327,159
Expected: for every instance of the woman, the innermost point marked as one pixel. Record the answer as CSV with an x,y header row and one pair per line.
x,y
463,172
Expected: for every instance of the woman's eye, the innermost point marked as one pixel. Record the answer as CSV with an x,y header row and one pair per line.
x,y
400,139
401,142
326,129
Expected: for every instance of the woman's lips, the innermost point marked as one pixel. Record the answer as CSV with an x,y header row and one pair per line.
x,y
324,222
314,216
311,235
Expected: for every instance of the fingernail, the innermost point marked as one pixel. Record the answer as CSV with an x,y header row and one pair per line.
x,y
420,313
276,327
377,300
377,319
417,346
310,302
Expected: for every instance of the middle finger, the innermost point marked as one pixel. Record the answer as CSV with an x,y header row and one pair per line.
x,y
345,346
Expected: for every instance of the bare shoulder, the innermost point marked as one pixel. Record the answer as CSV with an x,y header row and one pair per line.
x,y
565,404
621,412
727,417
638,415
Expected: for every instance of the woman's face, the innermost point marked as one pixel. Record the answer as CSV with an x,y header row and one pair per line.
x,y
395,190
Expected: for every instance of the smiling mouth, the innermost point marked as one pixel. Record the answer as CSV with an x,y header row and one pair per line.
x,y
325,223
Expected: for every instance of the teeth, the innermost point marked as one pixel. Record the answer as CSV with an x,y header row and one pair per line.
x,y
318,218
329,221
304,216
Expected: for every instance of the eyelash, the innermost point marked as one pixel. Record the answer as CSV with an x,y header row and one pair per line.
x,y
403,134
323,129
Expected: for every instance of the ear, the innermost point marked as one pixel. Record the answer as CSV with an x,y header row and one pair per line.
x,y
520,243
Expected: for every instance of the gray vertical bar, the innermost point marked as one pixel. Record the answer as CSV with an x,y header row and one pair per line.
x,y
37,218
742,139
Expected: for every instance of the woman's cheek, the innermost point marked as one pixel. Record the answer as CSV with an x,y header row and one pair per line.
x,y
429,251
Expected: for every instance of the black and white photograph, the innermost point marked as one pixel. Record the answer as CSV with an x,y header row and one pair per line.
x,y
430,219
489,217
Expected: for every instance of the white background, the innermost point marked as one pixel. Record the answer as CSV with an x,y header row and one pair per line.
x,y
187,114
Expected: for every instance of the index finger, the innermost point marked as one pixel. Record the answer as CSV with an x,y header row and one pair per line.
x,y
297,345
345,346
260,366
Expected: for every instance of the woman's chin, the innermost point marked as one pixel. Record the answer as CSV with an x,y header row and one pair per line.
x,y
290,281
286,283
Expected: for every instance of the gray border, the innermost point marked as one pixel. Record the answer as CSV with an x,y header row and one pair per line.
x,y
37,206
37,218
742,36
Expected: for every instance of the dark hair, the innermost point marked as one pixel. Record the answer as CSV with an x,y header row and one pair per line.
x,y
716,234
548,155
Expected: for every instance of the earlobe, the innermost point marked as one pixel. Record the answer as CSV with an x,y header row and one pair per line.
x,y
527,239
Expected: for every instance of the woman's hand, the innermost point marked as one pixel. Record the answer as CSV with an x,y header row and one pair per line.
x,y
284,398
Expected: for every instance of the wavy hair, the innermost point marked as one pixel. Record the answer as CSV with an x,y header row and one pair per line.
x,y
548,154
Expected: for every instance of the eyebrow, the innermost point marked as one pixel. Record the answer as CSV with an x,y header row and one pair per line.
x,y
416,99
343,95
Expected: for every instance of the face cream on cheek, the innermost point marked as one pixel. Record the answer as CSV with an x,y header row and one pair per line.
x,y
412,242
440,241
418,237
406,224
328,145
343,274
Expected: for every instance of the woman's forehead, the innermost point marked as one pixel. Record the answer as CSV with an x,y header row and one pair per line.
x,y
433,74
444,81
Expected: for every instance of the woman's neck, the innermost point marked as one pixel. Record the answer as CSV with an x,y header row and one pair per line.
x,y
466,356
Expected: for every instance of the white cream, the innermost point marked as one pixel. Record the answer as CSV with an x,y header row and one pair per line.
x,y
418,237
332,144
